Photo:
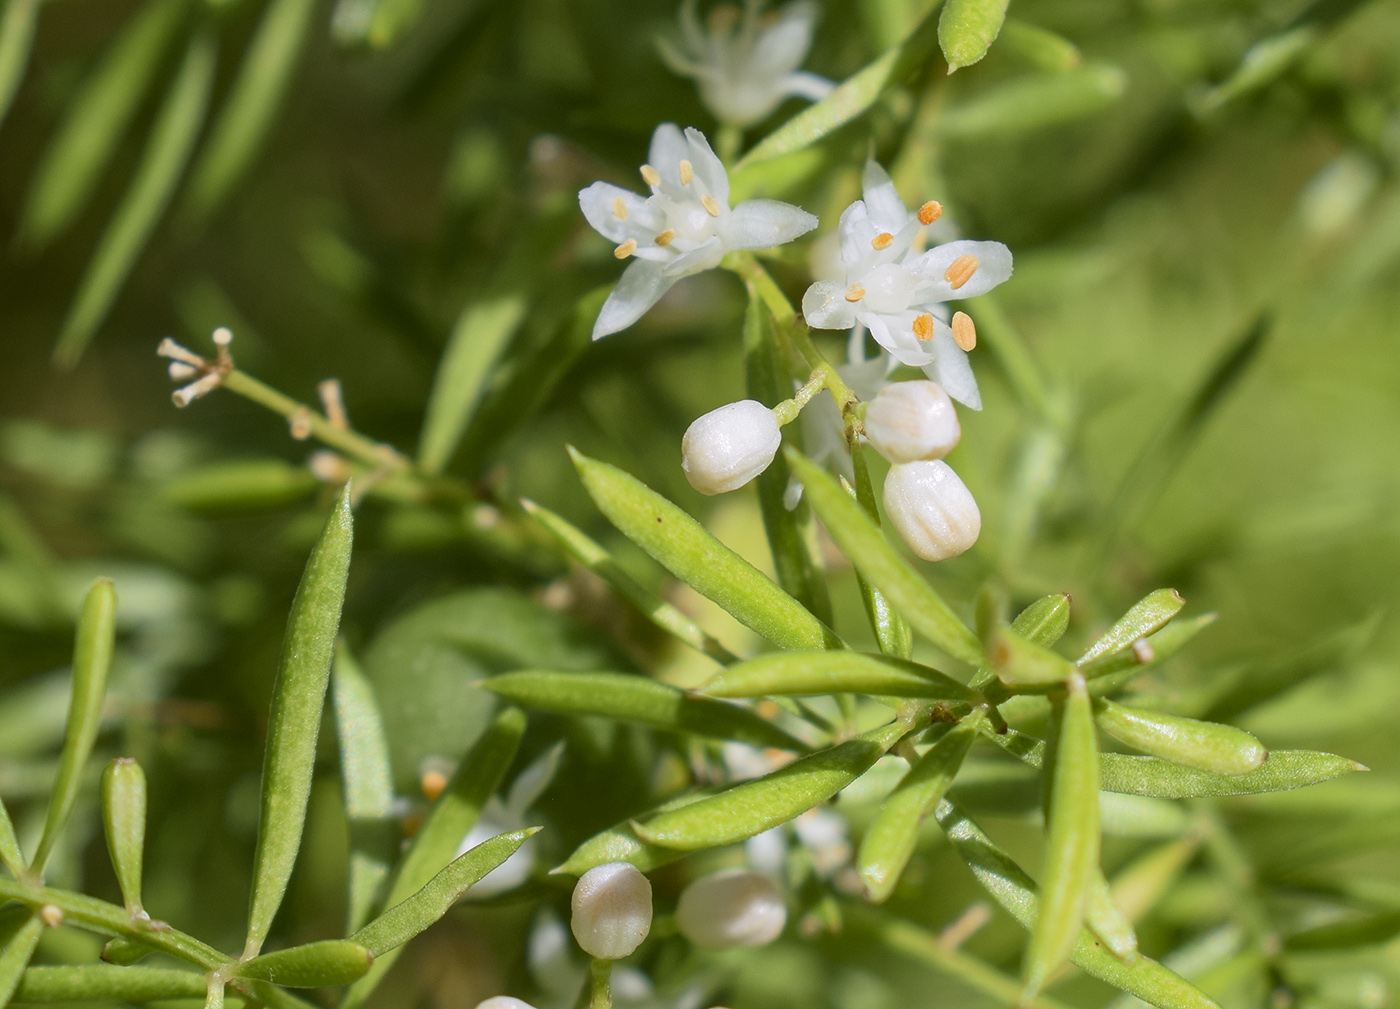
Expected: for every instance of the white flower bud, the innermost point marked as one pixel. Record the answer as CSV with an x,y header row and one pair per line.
x,y
728,447
932,509
503,1002
612,910
733,908
909,421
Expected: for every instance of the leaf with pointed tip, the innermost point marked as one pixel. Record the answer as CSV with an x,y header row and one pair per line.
x,y
17,24
313,965
108,983
815,673
1109,673
619,843
10,855
1044,621
1147,615
967,29
124,822
1019,662
16,955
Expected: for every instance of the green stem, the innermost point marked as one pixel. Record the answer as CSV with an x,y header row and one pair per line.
x,y
787,411
602,990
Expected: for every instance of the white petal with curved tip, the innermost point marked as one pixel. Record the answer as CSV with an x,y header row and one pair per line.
x,y
882,202
705,256
993,267
708,168
951,368
782,48
762,224
599,205
824,306
642,284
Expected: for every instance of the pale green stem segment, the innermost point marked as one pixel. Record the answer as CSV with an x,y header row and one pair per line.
x,y
639,699
790,409
168,148
619,843
1071,838
406,919
17,24
92,660
1284,770
1107,922
298,697
752,807
449,820
1138,886
861,541
892,632
10,855
925,947
1149,614
890,841
96,120
314,965
967,29
600,996
1009,885
240,483
481,335
214,990
124,822
1205,746
368,785
591,555
822,673
247,115
15,957
685,548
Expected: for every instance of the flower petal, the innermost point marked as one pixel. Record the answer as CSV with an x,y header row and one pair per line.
x,y
705,256
762,224
599,205
782,48
895,332
856,231
887,211
824,306
642,284
952,370
676,61
805,84
709,170
668,147
993,267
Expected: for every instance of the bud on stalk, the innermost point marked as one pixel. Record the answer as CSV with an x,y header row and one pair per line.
x,y
909,421
728,447
612,910
931,509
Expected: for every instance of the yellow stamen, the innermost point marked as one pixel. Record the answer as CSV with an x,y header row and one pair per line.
x,y
626,249
923,327
619,208
854,293
964,332
930,212
433,784
687,172
711,207
882,240
960,270
651,176
665,237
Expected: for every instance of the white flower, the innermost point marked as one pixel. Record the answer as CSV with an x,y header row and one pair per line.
x,y
684,227
745,63
899,294
611,910
735,907
728,447
931,509
499,817
909,421
823,433
503,1002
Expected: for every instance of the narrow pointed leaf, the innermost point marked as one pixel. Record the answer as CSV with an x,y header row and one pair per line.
x,y
481,335
1372,929
967,29
631,698
1112,672
105,982
817,673
15,956
96,120
892,631
1009,886
1138,886
1206,746
10,855
752,807
92,660
889,842
684,548
1149,614
1071,839
298,697
620,843
1035,101
167,151
449,820
1039,47
1044,621
368,785
1142,816
861,541
314,965
591,555
17,23
124,821
409,917
248,113
1110,925
1019,662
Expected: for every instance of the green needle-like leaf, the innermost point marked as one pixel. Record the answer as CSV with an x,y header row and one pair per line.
x,y
688,551
967,29
1103,918
861,540
92,660
1044,621
298,697
1136,888
10,855
816,673
1020,662
105,982
892,632
889,842
409,917
1206,746
314,965
17,24
167,151
1042,49
1108,673
631,698
620,843
754,806
1035,101
124,820
1071,839
15,957
1149,614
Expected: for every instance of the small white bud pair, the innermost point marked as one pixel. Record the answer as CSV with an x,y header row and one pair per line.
x,y
736,907
728,447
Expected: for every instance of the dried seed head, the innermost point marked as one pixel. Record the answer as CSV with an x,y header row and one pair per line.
x,y
329,467
964,332
930,212
200,387
882,240
333,403
222,337
923,327
854,293
181,372
611,910
626,249
687,172
960,270
711,206
619,208
651,176
666,237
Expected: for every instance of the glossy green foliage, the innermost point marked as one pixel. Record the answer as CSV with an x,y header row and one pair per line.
x,y
315,965
124,823
816,673
967,29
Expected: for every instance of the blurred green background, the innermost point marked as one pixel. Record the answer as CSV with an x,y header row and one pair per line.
x,y
397,175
